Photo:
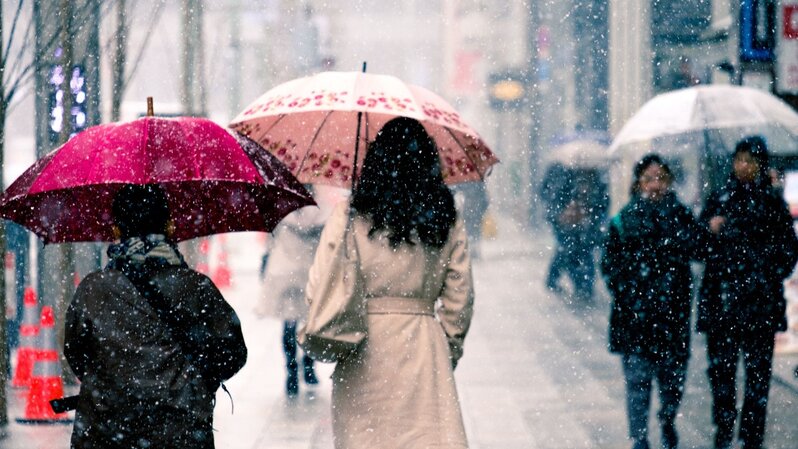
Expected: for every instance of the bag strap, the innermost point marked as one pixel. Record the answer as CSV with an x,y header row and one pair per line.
x,y
156,299
349,231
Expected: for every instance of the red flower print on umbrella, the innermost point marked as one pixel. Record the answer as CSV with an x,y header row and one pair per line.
x,y
328,122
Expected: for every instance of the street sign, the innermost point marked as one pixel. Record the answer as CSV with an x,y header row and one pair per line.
x,y
507,89
757,29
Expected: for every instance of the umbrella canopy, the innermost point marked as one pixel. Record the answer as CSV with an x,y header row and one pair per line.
x,y
723,113
312,124
595,135
215,181
579,154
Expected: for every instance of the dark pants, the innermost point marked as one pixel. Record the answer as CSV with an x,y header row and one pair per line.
x,y
574,255
290,350
639,372
724,346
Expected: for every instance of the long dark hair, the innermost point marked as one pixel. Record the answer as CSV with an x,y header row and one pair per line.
x,y
401,188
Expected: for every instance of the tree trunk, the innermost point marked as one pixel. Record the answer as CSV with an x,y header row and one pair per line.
x,y
3,334
193,88
67,250
120,55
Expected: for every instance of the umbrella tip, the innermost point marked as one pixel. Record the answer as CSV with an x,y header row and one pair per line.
x,y
150,109
364,66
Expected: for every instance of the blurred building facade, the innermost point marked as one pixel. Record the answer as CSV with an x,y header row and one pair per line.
x,y
567,66
656,46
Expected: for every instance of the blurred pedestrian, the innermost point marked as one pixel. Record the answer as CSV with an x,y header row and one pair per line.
x,y
553,191
752,250
591,197
398,389
646,265
291,256
576,205
473,206
149,338
267,250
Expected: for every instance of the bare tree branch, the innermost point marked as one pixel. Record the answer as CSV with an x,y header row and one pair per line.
x,y
19,58
12,32
18,99
154,19
23,70
137,60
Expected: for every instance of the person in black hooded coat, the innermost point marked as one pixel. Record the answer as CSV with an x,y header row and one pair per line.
x,y
646,265
150,339
752,250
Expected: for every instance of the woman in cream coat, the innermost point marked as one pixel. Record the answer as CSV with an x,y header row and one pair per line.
x,y
398,389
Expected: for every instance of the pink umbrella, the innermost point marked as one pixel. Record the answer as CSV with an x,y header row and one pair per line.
x,y
215,181
311,124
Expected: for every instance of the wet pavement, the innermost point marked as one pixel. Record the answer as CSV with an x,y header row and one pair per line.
x,y
536,372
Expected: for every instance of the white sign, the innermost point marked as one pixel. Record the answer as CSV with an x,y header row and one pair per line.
x,y
787,47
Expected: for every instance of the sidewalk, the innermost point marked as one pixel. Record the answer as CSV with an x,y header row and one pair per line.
x,y
536,372
516,242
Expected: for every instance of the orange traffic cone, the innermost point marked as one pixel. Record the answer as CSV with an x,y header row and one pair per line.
x,y
28,334
46,383
221,276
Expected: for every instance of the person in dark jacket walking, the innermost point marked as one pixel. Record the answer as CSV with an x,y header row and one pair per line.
x,y
150,339
752,250
576,205
552,190
646,266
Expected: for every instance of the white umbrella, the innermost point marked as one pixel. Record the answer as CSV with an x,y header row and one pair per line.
x,y
696,129
582,153
721,113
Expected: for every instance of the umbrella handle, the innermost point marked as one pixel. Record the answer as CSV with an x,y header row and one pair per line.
x,y
357,142
357,147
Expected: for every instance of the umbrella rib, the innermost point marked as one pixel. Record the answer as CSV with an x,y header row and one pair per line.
x,y
312,141
462,147
358,136
366,131
276,122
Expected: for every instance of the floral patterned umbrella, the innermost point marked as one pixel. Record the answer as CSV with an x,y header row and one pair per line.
x,y
312,125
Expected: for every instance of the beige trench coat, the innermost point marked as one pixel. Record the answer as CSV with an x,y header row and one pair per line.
x,y
398,390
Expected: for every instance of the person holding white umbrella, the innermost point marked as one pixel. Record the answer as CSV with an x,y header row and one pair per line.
x,y
646,265
741,306
696,129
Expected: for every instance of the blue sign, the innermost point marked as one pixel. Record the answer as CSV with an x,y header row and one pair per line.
x,y
757,30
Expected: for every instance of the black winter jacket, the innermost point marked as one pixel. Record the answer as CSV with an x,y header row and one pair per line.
x,y
146,383
646,266
748,261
